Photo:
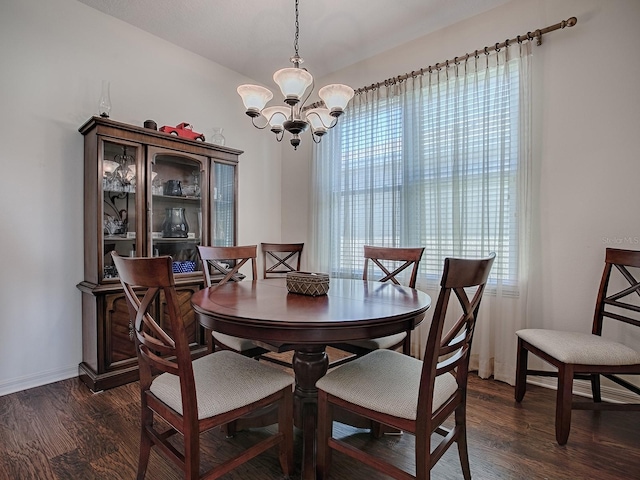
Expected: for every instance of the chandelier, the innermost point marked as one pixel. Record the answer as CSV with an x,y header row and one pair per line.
x,y
119,174
294,117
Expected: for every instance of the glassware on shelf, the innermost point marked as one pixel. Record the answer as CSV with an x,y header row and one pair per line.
x,y
173,188
196,182
104,105
156,184
218,138
115,226
175,223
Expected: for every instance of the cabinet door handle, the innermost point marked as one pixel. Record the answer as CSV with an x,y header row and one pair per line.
x,y
131,331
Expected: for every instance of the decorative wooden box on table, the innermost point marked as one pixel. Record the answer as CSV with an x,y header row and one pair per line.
x,y
146,193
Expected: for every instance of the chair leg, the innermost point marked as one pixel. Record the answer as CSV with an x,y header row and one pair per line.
x,y
208,335
377,429
191,455
463,452
229,429
325,425
563,403
423,455
285,427
595,388
145,442
521,371
406,345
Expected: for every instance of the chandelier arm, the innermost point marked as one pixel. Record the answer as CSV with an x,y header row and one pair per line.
x,y
253,121
310,91
333,123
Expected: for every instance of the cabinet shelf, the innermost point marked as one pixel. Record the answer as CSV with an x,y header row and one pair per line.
x,y
178,197
120,238
175,240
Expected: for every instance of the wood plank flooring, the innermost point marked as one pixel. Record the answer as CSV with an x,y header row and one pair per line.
x,y
62,431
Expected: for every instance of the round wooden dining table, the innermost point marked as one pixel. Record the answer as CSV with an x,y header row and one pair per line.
x,y
264,311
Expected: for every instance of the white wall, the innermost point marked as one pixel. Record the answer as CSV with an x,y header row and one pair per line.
x,y
586,117
54,55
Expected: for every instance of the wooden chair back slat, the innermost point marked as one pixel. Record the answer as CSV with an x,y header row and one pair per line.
x,y
213,259
284,258
409,257
609,298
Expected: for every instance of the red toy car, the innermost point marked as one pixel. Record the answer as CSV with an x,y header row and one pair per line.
x,y
184,130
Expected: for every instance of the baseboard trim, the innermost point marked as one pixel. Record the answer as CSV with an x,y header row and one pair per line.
x,y
30,381
582,388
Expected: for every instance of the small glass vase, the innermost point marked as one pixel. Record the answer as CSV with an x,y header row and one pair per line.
x,y
104,106
175,224
218,138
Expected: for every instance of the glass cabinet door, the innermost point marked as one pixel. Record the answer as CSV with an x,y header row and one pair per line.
x,y
223,201
176,208
120,166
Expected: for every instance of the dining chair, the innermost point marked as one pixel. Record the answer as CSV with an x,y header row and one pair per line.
x,y
587,356
388,263
280,258
225,262
408,394
194,396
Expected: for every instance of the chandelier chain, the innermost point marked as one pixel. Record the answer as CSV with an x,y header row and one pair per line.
x,y
294,84
295,43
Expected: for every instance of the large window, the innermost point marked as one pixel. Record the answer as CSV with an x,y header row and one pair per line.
x,y
433,162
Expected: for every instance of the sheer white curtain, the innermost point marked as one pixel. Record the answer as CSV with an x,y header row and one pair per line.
x,y
441,160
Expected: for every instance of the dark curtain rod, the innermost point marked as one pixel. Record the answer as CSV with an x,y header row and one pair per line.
x,y
529,36
476,54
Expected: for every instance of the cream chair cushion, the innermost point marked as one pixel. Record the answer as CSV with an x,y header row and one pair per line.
x,y
579,348
385,381
378,343
225,381
236,343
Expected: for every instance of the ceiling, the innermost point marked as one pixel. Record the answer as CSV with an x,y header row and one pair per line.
x,y
255,37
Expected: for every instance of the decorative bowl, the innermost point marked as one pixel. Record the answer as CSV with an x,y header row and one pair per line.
x,y
308,283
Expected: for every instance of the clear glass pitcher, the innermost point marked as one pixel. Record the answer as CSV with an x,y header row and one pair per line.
x,y
175,223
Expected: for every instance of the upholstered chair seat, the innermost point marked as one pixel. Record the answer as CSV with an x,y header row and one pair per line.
x,y
237,344
385,381
580,348
224,381
388,342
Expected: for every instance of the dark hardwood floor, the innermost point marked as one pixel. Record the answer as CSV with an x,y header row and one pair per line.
x,y
63,431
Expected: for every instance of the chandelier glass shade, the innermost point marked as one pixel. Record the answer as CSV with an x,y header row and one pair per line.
x,y
295,83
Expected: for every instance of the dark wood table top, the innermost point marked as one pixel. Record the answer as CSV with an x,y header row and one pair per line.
x,y
353,309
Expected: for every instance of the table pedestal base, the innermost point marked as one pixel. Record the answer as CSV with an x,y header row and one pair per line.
x,y
309,364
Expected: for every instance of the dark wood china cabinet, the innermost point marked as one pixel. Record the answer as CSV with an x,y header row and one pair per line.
x,y
146,193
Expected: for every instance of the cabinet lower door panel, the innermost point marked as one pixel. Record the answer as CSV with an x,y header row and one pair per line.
x,y
120,333
188,315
